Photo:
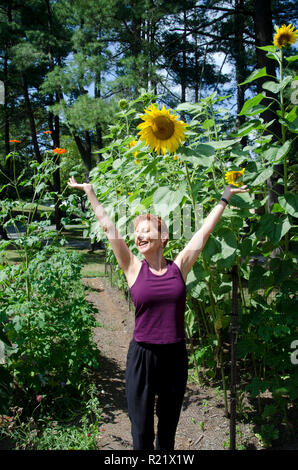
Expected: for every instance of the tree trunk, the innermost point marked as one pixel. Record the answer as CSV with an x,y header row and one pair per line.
x,y
98,126
183,74
85,152
31,117
6,117
6,112
54,125
239,54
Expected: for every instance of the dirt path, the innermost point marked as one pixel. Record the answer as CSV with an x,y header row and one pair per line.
x,y
202,424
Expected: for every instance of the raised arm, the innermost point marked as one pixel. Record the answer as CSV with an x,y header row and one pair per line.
x,y
123,254
187,257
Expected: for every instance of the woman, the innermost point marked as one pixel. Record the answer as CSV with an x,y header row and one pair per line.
x,y
157,359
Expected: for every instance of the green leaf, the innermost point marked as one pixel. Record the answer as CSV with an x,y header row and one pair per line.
x,y
245,247
276,87
208,123
255,75
275,152
273,227
40,187
292,58
223,144
166,200
257,386
228,241
188,107
244,201
205,150
293,114
256,278
289,202
282,151
251,103
212,247
292,126
200,155
281,269
194,287
276,208
263,176
117,163
248,127
267,48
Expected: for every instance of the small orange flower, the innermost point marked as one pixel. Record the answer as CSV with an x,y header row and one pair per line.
x,y
14,140
47,132
59,150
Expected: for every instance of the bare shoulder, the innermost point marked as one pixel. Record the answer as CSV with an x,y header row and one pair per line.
x,y
133,269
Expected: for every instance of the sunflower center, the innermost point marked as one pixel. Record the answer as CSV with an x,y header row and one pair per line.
x,y
163,128
237,175
284,38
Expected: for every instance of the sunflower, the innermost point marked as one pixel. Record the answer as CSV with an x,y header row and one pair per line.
x,y
232,176
132,144
285,35
161,130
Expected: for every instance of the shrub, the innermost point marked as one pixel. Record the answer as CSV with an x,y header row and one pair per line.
x,y
51,331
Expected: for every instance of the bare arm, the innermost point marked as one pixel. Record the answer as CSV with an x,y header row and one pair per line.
x,y
123,254
187,257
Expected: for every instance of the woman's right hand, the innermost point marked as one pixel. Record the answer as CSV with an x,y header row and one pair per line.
x,y
84,186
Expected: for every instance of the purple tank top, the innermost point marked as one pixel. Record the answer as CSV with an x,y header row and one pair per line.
x,y
159,305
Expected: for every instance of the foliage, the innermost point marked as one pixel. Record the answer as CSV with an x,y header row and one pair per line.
x,y
47,433
131,180
46,323
51,332
64,52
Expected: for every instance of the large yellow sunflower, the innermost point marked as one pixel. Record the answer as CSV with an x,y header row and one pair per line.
x,y
285,35
161,130
232,176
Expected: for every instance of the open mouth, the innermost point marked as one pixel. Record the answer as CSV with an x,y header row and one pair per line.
x,y
143,243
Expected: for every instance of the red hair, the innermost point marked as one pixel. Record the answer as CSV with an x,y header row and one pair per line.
x,y
157,222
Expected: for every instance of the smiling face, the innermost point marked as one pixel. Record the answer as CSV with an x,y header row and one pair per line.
x,y
149,236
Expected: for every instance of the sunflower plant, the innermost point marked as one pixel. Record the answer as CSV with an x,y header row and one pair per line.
x,y
164,163
274,149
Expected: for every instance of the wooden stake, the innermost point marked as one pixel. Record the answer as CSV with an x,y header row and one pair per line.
x,y
234,335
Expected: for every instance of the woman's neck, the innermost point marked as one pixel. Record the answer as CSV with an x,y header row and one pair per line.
x,y
157,262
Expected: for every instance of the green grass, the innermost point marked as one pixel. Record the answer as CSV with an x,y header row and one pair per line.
x,y
93,263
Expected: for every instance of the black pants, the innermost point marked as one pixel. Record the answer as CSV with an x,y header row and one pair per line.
x,y
155,370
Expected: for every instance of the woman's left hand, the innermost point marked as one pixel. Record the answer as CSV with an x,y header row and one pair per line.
x,y
230,190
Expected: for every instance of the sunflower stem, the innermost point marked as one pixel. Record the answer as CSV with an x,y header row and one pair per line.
x,y
282,109
283,137
189,185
